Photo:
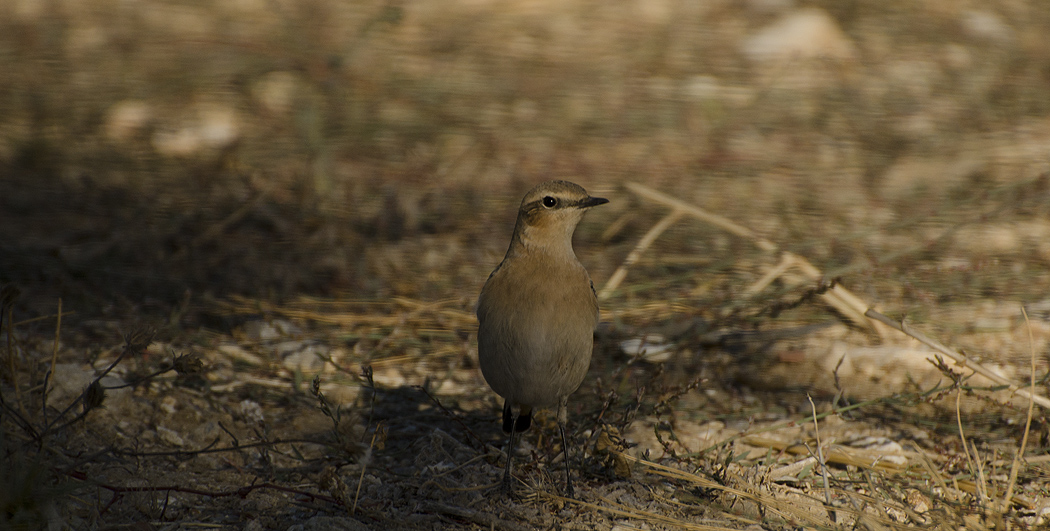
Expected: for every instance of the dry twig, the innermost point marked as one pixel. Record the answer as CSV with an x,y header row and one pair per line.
x,y
1028,420
837,296
960,359
820,458
54,359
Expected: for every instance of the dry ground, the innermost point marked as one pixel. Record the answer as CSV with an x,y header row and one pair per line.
x,y
306,197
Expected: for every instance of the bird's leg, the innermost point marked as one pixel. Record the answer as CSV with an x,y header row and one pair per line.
x,y
563,415
507,488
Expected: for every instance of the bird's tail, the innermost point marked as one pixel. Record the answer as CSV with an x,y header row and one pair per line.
x,y
524,419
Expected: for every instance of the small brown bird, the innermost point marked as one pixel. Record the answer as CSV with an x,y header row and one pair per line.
x,y
537,313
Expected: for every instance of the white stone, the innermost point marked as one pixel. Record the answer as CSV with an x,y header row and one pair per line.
x,y
204,126
651,348
803,34
251,410
276,91
170,436
126,118
987,26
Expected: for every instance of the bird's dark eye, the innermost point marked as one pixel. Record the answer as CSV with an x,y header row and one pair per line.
x,y
549,202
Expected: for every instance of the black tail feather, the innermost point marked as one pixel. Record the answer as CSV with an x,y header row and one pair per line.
x,y
508,418
523,421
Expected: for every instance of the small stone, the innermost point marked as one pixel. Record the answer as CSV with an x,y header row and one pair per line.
x,y
206,126
650,348
251,410
276,91
125,119
170,436
302,356
803,34
986,25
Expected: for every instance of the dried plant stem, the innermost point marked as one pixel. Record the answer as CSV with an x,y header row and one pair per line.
x,y
364,466
54,358
982,480
24,322
216,229
646,516
703,215
836,455
837,297
483,519
960,359
962,435
12,362
243,305
58,335
927,463
615,227
784,509
774,273
636,253
820,458
1028,420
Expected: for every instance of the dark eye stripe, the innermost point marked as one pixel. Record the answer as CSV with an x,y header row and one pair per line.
x,y
559,203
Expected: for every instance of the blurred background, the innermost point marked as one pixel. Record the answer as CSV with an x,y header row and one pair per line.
x,y
152,151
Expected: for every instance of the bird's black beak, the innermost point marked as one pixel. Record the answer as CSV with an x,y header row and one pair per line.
x,y
593,202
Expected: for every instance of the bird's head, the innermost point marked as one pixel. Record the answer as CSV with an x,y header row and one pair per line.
x,y
550,212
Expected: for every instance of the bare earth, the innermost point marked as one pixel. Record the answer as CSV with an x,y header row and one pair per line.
x,y
266,224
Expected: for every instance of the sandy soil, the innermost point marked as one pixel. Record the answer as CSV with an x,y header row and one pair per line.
x,y
266,223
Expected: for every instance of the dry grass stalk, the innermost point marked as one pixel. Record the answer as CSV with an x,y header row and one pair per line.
x,y
364,466
960,359
834,454
419,315
784,509
982,483
1028,420
774,273
481,518
836,296
636,253
24,322
970,461
652,310
216,230
614,228
703,215
953,494
54,358
820,457
979,488
8,295
974,488
651,517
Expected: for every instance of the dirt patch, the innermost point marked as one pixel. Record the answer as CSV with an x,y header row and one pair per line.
x,y
289,193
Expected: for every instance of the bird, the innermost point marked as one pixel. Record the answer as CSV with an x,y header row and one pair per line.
x,y
537,313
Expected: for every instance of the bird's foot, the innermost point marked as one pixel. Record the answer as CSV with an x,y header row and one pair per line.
x,y
506,488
